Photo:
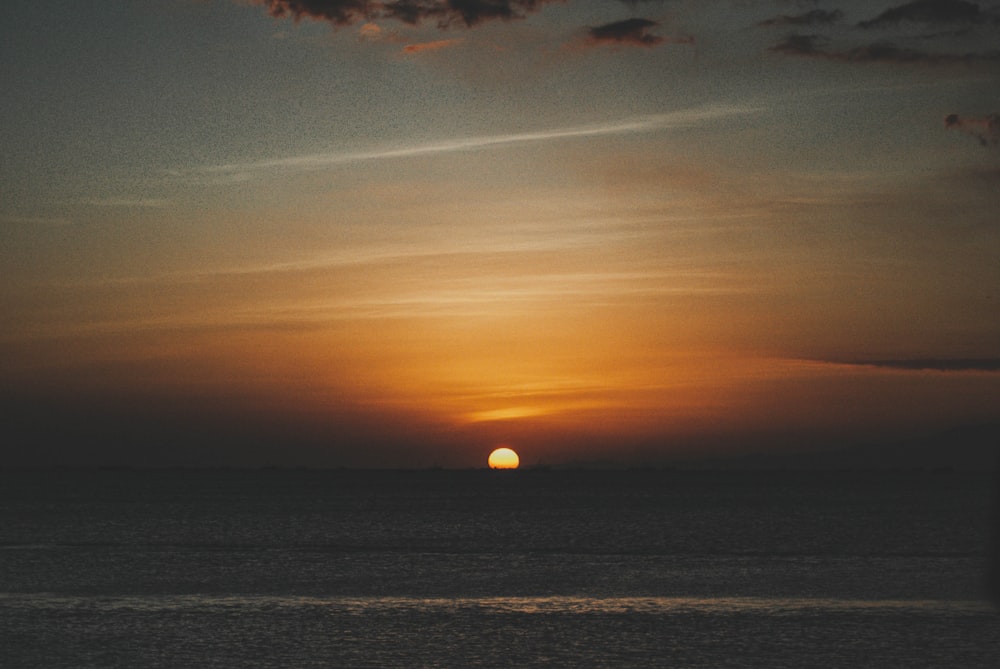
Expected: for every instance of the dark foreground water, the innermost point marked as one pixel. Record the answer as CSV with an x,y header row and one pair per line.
x,y
495,569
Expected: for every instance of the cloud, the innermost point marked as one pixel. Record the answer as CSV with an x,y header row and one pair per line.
x,y
631,32
931,12
445,12
930,364
370,31
813,46
800,45
885,52
337,12
814,17
436,45
986,129
146,203
908,46
652,123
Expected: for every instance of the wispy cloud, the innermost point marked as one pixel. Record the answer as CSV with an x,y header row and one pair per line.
x,y
927,364
143,203
437,45
814,17
931,12
643,124
908,24
815,46
985,129
800,45
632,32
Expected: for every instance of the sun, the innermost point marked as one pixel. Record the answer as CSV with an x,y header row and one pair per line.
x,y
504,458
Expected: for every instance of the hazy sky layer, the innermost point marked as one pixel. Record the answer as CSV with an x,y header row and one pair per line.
x,y
402,233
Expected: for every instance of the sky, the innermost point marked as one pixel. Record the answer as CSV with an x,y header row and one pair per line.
x,y
400,234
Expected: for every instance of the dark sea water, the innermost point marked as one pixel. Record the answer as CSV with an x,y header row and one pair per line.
x,y
495,569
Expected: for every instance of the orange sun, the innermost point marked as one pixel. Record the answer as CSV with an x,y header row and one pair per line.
x,y
504,458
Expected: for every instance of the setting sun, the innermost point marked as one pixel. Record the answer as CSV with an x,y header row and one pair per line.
x,y
504,458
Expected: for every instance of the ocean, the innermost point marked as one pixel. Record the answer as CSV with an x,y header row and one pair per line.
x,y
478,568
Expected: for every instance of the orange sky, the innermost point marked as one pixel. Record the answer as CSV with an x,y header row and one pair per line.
x,y
387,245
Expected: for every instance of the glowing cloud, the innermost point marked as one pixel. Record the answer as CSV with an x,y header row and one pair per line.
x,y
437,45
370,31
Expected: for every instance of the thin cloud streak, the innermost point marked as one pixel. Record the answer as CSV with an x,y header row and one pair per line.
x,y
991,365
814,17
814,46
136,203
40,221
930,12
437,45
428,299
644,124
630,31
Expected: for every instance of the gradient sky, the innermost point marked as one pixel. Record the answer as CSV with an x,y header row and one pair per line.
x,y
401,234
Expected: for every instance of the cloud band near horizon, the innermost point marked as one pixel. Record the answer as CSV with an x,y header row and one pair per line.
x,y
927,364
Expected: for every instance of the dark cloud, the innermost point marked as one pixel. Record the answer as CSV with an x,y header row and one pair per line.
x,y
813,46
409,11
985,129
931,12
445,12
885,52
633,31
814,17
933,364
800,45
472,12
338,12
